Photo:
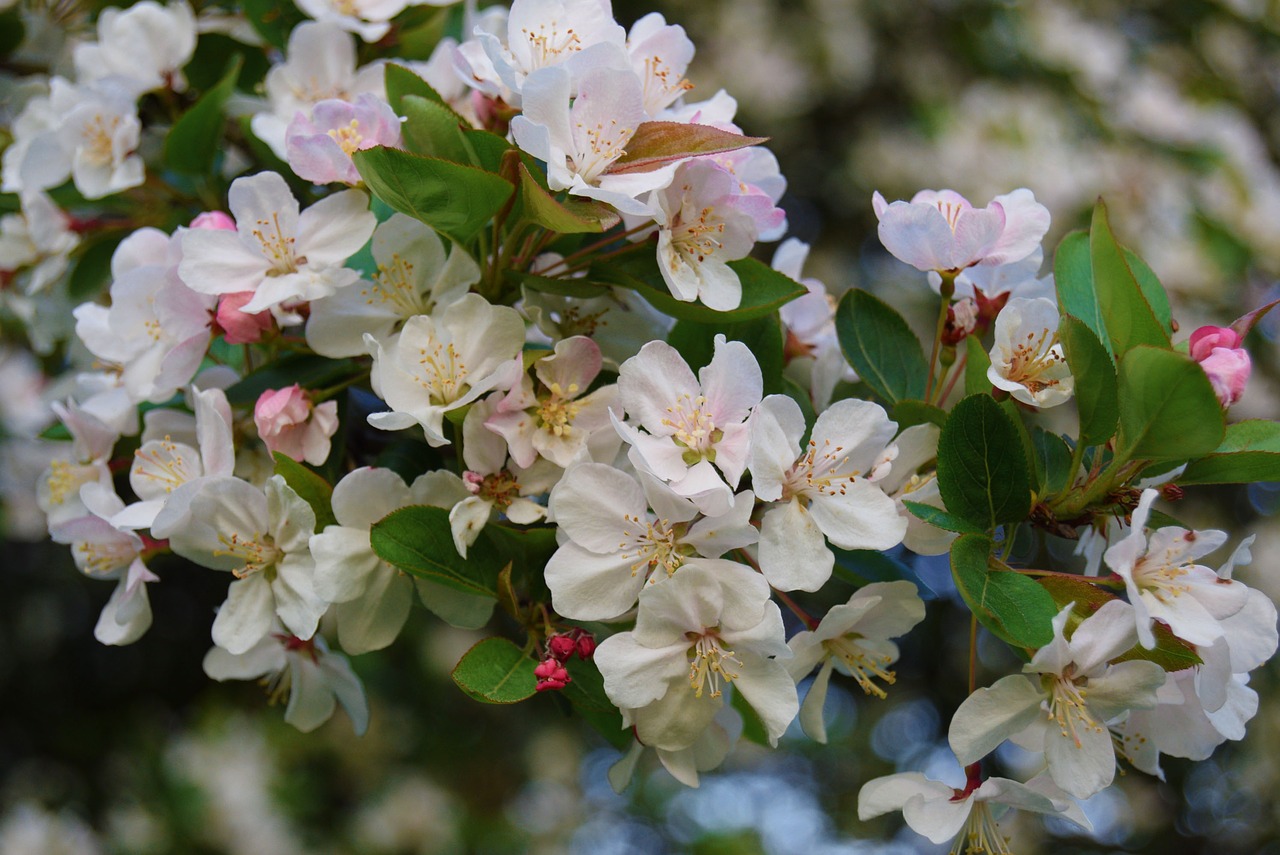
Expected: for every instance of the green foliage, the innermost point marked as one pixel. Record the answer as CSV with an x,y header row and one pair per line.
x,y
1168,410
1096,393
273,21
977,361
941,519
495,671
12,31
1052,461
910,413
454,607
431,128
753,729
195,139
453,199
763,336
1073,280
419,541
1129,317
982,477
881,347
1011,605
859,567
567,217
764,289
1250,451
309,486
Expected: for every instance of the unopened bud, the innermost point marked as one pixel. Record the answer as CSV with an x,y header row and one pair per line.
x,y
561,647
586,646
551,675
1172,492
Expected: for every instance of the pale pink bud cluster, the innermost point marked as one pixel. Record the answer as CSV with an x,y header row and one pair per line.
x,y
289,423
1219,353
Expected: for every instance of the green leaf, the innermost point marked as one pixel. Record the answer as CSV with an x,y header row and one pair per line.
x,y
309,486
1011,605
1052,460
430,128
209,63
859,567
1157,298
454,607
307,370
763,288
881,347
1168,409
585,692
495,671
196,138
941,519
1073,280
92,273
527,550
1095,380
1249,452
12,31
487,149
910,413
1129,317
753,729
655,144
572,216
762,336
419,541
401,82
981,475
1170,653
453,199
977,361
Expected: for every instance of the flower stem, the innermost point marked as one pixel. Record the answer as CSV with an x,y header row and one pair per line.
x,y
948,288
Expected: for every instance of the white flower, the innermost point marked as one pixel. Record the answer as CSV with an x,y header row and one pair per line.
x,y
1164,582
145,45
1067,696
320,64
97,140
444,362
415,276
1027,359
854,638
660,53
941,813
709,626
814,358
369,19
314,679
262,538
692,427
58,488
613,545
37,238
914,478
282,256
828,491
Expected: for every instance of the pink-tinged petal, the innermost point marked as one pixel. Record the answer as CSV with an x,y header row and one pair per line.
x,y
609,107
793,553
1207,339
246,617
218,262
653,380
732,382
976,232
335,228
991,715
572,367
1025,223
917,234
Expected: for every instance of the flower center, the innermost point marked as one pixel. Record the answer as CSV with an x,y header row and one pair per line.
x,y
1034,358
698,237
99,559
820,471
864,666
693,426
393,283
164,463
1068,707
709,663
556,413
500,488
661,84
547,44
257,551
656,546
277,248
99,149
348,138
443,373
980,835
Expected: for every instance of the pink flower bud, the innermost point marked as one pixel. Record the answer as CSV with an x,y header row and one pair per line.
x,y
240,327
551,675
289,424
1204,340
1228,370
586,646
561,647
214,220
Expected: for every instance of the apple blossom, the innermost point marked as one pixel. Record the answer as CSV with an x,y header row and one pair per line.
x,y
854,639
59,486
827,491
37,240
282,256
442,362
1227,364
1027,360
914,478
314,679
320,145
940,231
695,434
415,276
660,54
146,46
614,545
710,626
812,350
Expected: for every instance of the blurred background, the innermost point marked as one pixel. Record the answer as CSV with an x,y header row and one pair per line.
x,y
1170,110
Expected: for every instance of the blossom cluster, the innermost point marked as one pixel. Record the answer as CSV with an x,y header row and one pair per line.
x,y
639,441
